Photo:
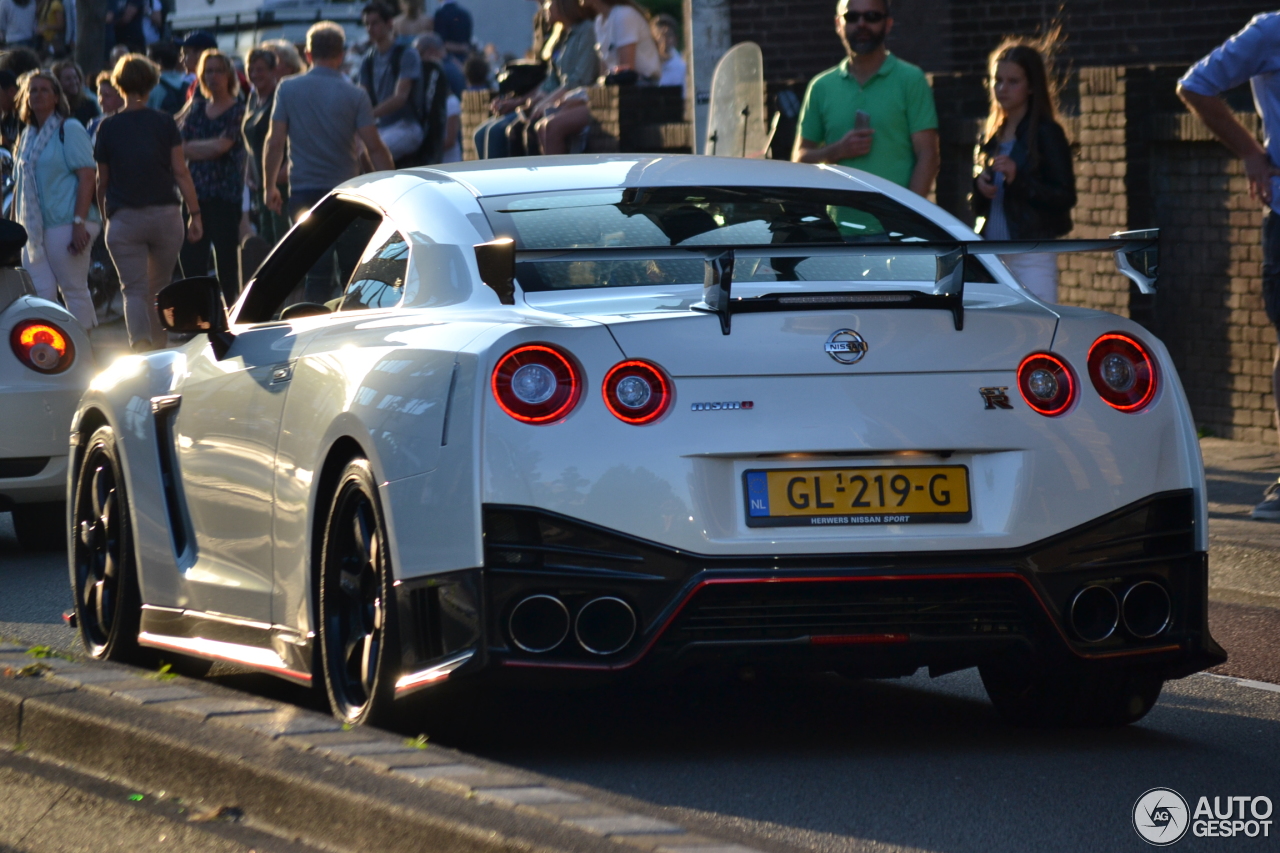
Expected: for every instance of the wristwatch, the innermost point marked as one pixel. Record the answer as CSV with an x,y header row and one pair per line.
x,y
77,220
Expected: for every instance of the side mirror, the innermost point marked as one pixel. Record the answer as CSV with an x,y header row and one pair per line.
x,y
497,263
193,306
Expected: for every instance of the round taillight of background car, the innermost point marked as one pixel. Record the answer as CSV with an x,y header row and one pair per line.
x,y
637,392
536,384
1123,372
42,346
1046,383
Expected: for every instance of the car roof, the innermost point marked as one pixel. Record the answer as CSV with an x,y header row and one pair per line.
x,y
594,171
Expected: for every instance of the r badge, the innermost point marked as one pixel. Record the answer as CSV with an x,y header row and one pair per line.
x,y
995,398
846,346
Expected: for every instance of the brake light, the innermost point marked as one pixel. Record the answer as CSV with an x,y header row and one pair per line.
x,y
1046,383
536,384
637,392
1123,372
42,346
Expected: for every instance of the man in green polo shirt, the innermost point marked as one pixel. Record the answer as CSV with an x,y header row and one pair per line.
x,y
900,143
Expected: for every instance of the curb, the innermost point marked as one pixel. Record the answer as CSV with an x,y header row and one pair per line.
x,y
300,773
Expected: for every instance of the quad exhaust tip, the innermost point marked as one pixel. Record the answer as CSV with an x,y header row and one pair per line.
x,y
1094,614
605,625
538,623
1146,610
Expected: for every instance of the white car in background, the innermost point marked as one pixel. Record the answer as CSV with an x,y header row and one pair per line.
x,y
610,414
46,367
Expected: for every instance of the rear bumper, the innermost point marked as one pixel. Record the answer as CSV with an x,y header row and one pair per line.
x,y
34,479
870,615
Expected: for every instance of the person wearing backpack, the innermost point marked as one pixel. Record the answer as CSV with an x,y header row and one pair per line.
x,y
170,94
433,98
392,75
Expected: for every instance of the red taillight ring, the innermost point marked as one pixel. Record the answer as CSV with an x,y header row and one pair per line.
x,y
1050,394
42,346
631,402
565,384
1141,390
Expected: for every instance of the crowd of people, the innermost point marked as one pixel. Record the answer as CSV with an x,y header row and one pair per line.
x,y
179,153
581,43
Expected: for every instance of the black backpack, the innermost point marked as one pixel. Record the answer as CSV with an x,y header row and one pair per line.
x,y
175,98
433,111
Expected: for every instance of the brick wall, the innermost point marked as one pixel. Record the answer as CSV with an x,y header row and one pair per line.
x,y
1102,207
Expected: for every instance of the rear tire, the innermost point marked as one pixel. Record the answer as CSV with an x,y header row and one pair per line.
x,y
103,562
358,627
41,527
1052,697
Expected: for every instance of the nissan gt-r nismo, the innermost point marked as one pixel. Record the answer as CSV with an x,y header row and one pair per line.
x,y
630,413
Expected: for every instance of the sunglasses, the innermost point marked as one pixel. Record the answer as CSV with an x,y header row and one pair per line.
x,y
869,17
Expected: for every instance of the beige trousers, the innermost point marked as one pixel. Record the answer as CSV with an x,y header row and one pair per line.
x,y
144,243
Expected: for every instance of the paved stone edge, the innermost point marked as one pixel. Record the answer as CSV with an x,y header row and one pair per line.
x,y
303,773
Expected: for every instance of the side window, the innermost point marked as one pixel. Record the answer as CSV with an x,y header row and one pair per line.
x,y
342,257
378,281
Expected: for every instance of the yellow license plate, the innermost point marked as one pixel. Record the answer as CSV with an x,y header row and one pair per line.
x,y
857,495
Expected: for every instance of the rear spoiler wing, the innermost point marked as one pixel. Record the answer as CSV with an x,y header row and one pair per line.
x,y
1137,256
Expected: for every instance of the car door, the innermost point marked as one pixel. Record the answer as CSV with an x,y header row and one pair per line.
x,y
227,425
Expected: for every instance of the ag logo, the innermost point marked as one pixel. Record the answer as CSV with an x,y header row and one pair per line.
x,y
846,346
1160,816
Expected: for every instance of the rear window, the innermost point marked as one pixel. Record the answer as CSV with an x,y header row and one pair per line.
x,y
710,216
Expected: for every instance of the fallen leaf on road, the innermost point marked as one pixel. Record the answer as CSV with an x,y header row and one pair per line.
x,y
227,813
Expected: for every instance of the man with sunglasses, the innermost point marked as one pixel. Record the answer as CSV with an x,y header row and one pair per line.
x,y
873,111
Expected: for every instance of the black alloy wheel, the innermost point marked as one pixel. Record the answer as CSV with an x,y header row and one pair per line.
x,y
105,583
357,605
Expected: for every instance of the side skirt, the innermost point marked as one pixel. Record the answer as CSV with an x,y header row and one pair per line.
x,y
275,649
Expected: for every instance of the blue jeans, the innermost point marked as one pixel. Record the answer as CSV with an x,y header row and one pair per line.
x,y
1271,267
491,137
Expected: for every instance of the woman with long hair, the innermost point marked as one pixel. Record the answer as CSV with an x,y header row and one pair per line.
x,y
1025,185
84,106
53,195
140,163
214,146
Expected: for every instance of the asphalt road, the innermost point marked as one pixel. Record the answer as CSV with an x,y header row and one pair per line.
x,y
827,764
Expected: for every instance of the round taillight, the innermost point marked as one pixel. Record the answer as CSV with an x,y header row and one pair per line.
x,y
637,392
536,384
42,346
1123,372
1046,383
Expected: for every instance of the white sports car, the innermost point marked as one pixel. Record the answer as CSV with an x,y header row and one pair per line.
x,y
640,413
47,368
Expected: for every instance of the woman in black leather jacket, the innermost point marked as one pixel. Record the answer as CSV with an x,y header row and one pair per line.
x,y
1025,186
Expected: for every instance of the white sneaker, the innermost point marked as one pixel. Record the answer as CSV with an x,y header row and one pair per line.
x,y
1269,509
